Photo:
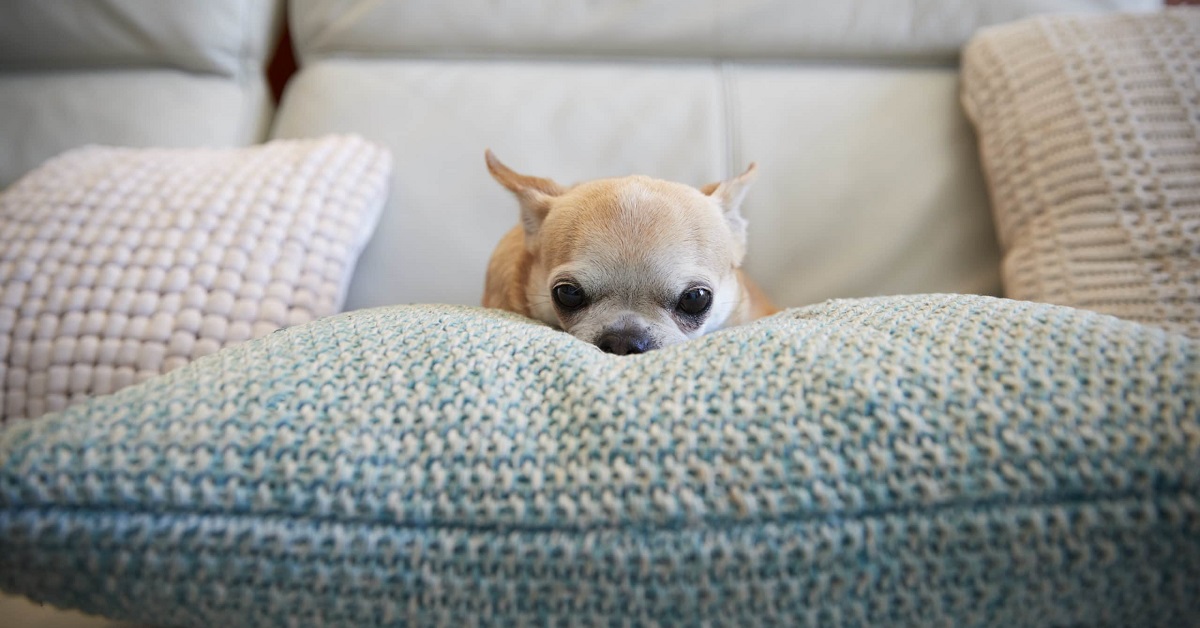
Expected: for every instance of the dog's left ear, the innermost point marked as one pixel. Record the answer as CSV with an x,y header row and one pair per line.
x,y
729,195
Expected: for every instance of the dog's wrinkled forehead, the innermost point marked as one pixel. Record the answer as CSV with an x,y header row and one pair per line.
x,y
636,221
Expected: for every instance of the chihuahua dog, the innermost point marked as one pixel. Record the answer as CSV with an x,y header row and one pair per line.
x,y
628,264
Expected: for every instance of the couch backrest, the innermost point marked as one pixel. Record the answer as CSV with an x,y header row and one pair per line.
x,y
869,183
132,73
888,31
224,37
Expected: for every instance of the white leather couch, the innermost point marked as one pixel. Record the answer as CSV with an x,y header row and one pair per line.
x,y
132,73
870,182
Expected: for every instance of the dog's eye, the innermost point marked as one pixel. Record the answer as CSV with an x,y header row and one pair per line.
x,y
568,296
695,301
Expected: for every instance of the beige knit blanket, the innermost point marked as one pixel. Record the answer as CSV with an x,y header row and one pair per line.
x,y
1089,129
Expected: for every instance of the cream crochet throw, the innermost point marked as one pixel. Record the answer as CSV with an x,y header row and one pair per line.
x,y
1089,129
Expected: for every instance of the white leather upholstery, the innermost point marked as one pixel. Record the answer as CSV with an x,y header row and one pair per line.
x,y
132,73
48,113
558,120
869,178
886,30
226,37
870,181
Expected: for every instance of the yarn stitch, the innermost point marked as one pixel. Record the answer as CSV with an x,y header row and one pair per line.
x,y
1089,130
117,264
907,461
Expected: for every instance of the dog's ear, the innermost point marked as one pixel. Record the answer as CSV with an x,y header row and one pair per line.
x,y
729,195
534,193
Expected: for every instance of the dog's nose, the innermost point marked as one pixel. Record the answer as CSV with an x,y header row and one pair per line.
x,y
624,342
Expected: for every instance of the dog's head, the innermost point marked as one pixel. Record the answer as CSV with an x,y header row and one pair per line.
x,y
633,263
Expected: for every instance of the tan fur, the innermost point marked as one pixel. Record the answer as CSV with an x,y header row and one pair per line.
x,y
755,306
507,272
634,241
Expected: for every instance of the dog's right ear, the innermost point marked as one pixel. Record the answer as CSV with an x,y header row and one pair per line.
x,y
729,195
534,193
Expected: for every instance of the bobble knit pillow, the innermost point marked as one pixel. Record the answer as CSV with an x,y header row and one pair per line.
x,y
1089,128
907,461
118,264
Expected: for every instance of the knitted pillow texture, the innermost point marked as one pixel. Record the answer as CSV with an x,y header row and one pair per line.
x,y
118,264
905,461
1089,129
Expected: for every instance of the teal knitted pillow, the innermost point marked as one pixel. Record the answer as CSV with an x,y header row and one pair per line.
x,y
929,460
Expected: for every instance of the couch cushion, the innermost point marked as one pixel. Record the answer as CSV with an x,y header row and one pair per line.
x,y
869,183
132,73
1089,129
48,113
928,460
231,38
556,120
117,264
887,30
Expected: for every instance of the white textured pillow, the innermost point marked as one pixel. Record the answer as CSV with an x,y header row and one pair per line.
x,y
117,264
1089,128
